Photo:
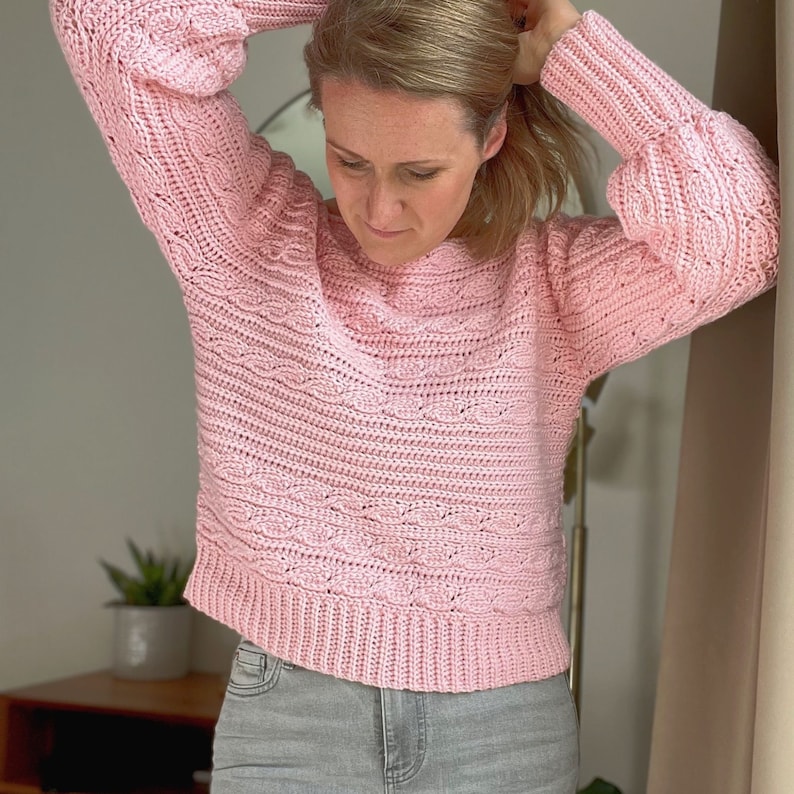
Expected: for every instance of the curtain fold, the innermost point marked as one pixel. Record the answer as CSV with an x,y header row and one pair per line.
x,y
719,634
773,756
702,740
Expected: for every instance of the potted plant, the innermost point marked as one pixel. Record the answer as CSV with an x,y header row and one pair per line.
x,y
152,620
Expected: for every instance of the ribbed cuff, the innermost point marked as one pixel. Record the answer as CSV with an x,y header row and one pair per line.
x,y
622,94
264,15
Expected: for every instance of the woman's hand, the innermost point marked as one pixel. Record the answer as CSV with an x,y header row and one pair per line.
x,y
543,22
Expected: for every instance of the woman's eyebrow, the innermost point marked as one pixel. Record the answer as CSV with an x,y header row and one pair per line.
x,y
356,156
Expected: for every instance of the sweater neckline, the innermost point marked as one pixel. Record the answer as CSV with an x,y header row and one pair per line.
x,y
448,258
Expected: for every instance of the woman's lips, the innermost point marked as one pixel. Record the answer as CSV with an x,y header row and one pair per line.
x,y
383,234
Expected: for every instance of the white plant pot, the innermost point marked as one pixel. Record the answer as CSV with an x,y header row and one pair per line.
x,y
151,643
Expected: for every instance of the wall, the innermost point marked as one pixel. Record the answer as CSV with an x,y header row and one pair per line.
x,y
634,462
97,426
96,404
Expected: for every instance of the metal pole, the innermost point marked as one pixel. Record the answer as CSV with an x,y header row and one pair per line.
x,y
578,559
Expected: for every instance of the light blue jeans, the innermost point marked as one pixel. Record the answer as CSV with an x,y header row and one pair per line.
x,y
288,730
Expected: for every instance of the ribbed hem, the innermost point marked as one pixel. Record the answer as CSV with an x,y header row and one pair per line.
x,y
376,644
616,89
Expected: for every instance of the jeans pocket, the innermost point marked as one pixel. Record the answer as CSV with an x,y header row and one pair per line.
x,y
253,671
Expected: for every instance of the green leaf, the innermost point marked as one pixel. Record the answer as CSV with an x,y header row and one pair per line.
x,y
137,594
136,555
119,579
599,786
172,594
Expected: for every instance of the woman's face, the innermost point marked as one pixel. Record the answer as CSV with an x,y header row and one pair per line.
x,y
402,167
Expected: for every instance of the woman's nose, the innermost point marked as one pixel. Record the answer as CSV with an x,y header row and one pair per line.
x,y
384,206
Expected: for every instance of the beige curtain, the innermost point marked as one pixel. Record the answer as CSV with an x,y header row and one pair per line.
x,y
773,756
724,718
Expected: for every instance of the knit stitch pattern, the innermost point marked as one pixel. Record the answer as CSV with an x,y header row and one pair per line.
x,y
381,448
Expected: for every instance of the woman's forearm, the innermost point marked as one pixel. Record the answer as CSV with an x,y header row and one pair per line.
x,y
154,74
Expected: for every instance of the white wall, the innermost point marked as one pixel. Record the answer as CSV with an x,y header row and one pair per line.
x,y
96,394
97,429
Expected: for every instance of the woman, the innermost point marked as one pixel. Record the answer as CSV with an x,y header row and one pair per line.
x,y
387,384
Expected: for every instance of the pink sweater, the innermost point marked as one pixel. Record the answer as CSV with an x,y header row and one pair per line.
x,y
381,448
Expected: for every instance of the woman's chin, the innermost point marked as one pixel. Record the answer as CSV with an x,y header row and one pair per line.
x,y
394,252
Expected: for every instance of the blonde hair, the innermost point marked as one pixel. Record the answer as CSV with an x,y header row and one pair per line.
x,y
463,50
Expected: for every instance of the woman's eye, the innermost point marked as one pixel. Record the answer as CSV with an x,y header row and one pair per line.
x,y
423,176
352,165
361,165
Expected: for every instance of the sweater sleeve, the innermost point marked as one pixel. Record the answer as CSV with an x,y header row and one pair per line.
x,y
696,200
155,74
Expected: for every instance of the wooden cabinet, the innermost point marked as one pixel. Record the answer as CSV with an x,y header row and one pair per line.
x,y
96,733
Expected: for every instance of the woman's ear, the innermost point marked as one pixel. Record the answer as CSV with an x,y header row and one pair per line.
x,y
496,136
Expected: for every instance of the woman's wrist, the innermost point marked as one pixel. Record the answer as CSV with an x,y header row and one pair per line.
x,y
563,26
549,22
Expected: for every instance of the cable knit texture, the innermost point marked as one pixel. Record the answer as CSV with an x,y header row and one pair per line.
x,y
382,447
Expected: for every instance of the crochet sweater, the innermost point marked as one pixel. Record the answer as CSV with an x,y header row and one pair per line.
x,y
381,448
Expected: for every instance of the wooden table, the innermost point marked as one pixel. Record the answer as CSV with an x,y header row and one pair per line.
x,y
96,733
